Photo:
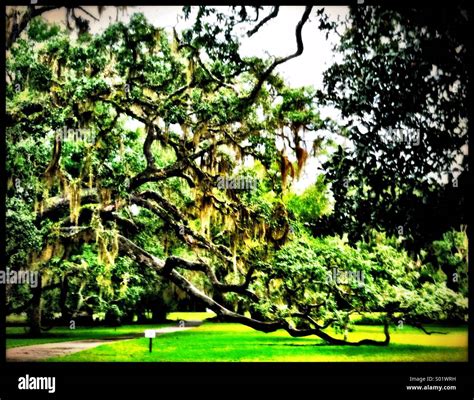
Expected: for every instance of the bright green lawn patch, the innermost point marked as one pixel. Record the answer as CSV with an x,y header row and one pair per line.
x,y
190,316
233,342
17,337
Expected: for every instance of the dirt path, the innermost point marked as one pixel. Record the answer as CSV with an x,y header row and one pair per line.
x,y
40,352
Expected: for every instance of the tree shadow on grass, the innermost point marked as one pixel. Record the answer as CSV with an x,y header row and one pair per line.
x,y
75,336
42,336
394,347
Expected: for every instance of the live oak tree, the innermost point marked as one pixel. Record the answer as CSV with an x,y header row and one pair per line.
x,y
168,114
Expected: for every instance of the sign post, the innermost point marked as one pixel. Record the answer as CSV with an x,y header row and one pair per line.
x,y
150,333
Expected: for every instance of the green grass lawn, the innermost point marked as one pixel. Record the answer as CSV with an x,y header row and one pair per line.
x,y
233,342
190,316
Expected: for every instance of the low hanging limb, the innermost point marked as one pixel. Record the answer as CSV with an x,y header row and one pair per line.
x,y
168,270
192,238
418,325
267,326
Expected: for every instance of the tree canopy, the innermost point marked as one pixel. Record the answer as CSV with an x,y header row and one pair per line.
x,y
402,87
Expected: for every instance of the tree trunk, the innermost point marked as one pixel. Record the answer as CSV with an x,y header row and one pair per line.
x,y
65,313
35,311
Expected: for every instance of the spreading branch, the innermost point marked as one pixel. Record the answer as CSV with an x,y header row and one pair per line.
x,y
299,50
168,269
270,16
17,21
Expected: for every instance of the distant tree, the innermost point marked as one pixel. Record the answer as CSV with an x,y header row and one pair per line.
x,y
19,18
402,88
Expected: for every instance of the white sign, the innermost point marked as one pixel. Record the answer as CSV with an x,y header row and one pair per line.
x,y
150,333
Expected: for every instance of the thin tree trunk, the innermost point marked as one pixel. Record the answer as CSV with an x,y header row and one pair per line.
x,y
35,312
65,313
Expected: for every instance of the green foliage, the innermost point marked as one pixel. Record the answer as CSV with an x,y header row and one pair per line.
x,y
401,85
39,30
296,108
451,257
304,271
23,236
311,204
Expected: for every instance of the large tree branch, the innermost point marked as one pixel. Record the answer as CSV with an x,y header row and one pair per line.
x,y
418,325
59,205
267,326
15,28
195,53
312,321
139,255
156,175
166,211
176,262
124,109
168,270
270,16
299,50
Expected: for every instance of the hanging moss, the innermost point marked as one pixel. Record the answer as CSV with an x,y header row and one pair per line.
x,y
54,166
90,182
229,224
301,156
44,196
174,43
105,196
190,70
286,168
205,215
50,250
238,152
233,248
106,241
196,137
114,251
75,201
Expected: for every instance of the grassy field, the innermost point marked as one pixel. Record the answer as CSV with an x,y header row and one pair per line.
x,y
232,342
190,316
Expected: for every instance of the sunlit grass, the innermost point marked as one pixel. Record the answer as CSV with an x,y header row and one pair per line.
x,y
190,316
233,342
